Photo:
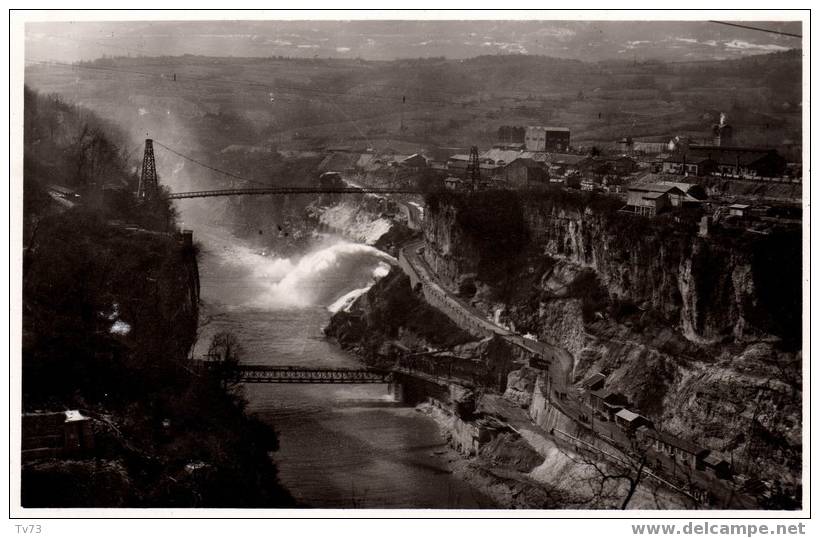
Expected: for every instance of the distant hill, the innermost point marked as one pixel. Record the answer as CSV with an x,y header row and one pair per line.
x,y
209,103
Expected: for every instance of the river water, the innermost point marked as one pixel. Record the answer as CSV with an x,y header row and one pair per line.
x,y
341,446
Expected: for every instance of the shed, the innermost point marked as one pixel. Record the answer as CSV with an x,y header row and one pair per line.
x,y
739,210
629,420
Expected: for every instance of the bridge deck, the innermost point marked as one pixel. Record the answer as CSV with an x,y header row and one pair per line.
x,y
293,190
288,374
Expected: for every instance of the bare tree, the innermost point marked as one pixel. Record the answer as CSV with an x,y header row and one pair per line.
x,y
225,352
609,474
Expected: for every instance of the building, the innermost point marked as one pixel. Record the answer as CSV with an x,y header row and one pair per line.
x,y
500,157
606,402
688,165
720,467
561,164
594,382
694,192
620,165
740,162
630,421
414,161
739,210
651,199
722,132
55,435
524,173
459,163
687,454
538,138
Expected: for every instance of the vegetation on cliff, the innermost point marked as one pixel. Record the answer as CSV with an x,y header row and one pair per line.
x,y
109,314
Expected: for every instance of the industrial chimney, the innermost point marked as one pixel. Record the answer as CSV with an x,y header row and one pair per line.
x,y
722,132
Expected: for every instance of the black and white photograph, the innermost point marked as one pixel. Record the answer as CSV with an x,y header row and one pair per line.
x,y
454,261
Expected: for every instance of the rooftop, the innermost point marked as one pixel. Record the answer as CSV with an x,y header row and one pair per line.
x,y
594,378
656,187
549,128
677,442
627,415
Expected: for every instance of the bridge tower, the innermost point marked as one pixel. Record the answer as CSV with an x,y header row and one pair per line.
x,y
473,171
149,184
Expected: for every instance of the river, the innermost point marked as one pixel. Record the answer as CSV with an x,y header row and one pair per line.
x,y
341,446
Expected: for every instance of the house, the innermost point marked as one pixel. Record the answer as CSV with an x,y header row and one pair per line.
x,y
606,402
594,382
741,162
630,421
539,138
621,165
499,156
720,467
414,161
458,161
687,454
524,173
689,165
453,183
561,164
739,210
653,198
694,192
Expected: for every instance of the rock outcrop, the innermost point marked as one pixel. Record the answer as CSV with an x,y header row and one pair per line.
x,y
701,333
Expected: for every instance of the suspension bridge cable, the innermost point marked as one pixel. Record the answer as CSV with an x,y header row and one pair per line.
x,y
209,167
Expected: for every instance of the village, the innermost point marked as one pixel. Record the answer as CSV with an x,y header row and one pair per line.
x,y
750,186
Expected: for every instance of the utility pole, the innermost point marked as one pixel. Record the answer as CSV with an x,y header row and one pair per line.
x,y
403,99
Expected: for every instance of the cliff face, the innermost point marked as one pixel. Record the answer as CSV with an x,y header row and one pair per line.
x,y
700,333
709,288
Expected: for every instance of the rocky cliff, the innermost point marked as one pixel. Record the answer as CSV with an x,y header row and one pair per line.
x,y
701,333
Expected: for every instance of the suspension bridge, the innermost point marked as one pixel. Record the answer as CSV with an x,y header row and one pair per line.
x,y
149,183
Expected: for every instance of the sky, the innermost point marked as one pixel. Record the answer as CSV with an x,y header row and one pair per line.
x,y
388,40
